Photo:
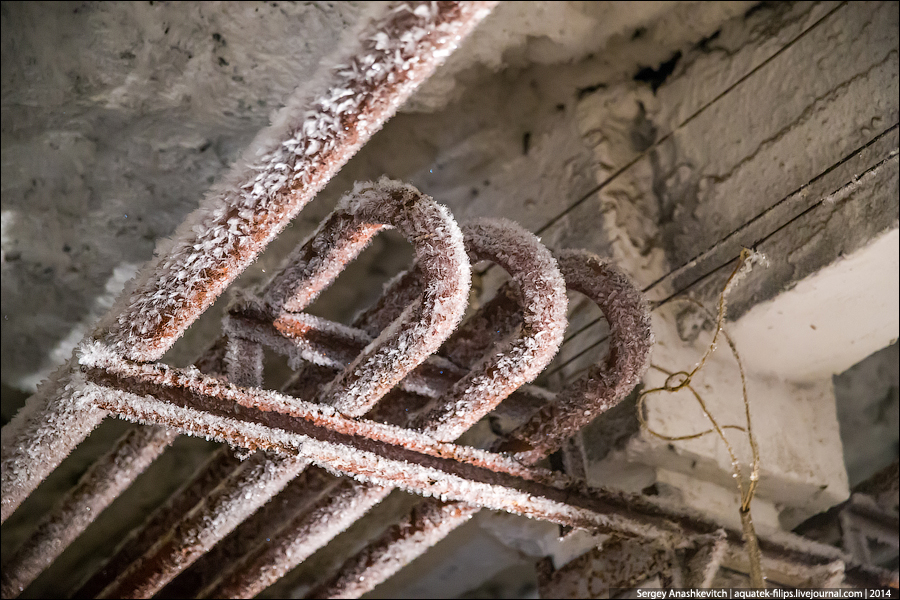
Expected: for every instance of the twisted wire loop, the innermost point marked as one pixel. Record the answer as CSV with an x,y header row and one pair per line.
x,y
680,380
505,364
323,125
601,388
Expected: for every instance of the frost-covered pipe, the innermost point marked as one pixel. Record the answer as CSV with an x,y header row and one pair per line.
x,y
260,477
496,319
426,524
108,477
320,129
301,494
606,383
422,326
310,141
218,467
519,358
509,362
388,455
257,479
597,391
408,341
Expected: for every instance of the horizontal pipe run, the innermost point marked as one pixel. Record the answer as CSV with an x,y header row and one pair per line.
x,y
372,451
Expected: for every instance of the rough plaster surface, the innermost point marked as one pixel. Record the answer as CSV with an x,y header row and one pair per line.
x,y
828,321
116,118
868,406
642,131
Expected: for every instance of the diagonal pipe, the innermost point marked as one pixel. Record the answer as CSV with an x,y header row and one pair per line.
x,y
312,139
418,332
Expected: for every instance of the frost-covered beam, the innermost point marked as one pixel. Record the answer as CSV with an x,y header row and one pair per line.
x,y
199,405
302,151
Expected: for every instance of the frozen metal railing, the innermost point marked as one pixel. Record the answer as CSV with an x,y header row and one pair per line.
x,y
507,363
408,341
312,138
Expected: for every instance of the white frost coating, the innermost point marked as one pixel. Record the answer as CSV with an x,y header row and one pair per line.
x,y
428,321
303,338
427,524
635,516
443,276
289,337
363,465
241,215
97,355
104,481
422,326
244,491
310,141
244,362
396,295
533,269
258,479
53,421
601,388
317,262
517,360
339,509
607,383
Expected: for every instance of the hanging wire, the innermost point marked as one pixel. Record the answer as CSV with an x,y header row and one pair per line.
x,y
679,380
